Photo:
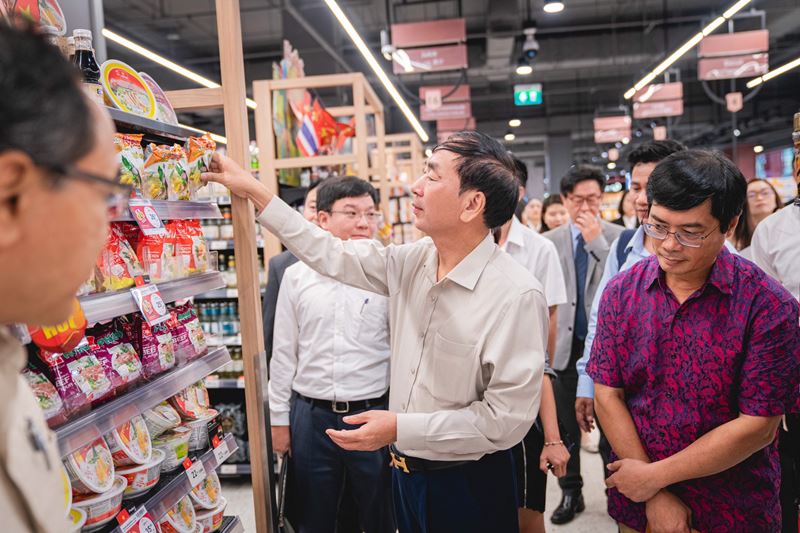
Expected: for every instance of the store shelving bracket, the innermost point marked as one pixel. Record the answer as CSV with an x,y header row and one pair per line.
x,y
105,418
135,123
182,210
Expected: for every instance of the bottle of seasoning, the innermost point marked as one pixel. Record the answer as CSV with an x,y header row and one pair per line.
x,y
71,49
84,58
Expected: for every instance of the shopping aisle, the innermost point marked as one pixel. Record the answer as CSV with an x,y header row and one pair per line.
x,y
593,520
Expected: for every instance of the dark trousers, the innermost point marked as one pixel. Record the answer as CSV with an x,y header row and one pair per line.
x,y
565,388
476,497
789,449
319,468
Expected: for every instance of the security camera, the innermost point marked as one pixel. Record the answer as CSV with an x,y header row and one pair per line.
x,y
530,47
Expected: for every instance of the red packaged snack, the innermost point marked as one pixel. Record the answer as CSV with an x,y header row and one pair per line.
x,y
117,265
183,246
114,350
46,396
157,254
154,344
79,378
199,254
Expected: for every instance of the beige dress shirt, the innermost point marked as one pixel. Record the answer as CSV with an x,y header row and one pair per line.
x,y
467,351
31,494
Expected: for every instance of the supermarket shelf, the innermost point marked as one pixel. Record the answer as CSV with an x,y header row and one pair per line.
x,y
130,122
221,294
231,340
179,211
171,492
213,382
100,421
105,306
227,244
243,469
231,524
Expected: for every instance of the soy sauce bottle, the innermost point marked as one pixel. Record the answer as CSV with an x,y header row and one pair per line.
x,y
84,59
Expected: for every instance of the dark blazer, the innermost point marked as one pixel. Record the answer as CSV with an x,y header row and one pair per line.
x,y
277,266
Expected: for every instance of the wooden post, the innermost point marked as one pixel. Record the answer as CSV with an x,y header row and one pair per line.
x,y
265,138
360,146
229,29
381,162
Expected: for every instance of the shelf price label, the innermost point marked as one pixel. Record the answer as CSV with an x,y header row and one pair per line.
x,y
220,449
151,304
195,471
146,217
138,522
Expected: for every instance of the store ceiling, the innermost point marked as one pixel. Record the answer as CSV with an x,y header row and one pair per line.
x,y
590,54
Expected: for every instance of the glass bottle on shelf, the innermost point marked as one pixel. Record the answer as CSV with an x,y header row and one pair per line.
x,y
71,49
84,59
231,272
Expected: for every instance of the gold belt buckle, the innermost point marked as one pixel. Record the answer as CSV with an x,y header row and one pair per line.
x,y
399,463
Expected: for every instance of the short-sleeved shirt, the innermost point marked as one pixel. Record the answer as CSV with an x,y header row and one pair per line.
x,y
732,347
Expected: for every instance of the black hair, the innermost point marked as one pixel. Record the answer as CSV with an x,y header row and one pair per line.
x,y
622,202
484,165
44,110
547,203
520,170
743,235
333,189
578,173
688,178
311,186
653,151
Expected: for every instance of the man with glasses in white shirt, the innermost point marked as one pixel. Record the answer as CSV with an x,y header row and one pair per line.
x,y
330,360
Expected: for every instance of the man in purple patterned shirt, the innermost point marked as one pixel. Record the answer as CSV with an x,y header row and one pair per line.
x,y
696,357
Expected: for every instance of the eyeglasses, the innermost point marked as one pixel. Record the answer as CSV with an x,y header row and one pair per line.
x,y
116,198
766,193
591,201
685,238
372,217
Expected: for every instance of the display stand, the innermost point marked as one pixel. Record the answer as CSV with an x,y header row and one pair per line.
x,y
365,102
231,98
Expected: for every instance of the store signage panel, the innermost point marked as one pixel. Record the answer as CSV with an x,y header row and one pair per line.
x,y
734,102
727,68
660,91
462,94
671,108
455,124
612,123
731,44
457,110
429,33
430,59
612,135
528,94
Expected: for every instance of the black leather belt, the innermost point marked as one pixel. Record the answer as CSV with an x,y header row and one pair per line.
x,y
407,464
343,408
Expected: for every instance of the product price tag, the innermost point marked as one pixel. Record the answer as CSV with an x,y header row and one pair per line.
x,y
138,522
146,217
151,304
195,471
227,469
221,451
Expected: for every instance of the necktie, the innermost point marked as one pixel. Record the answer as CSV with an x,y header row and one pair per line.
x,y
581,264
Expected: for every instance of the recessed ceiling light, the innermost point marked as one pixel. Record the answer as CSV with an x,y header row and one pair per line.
x,y
515,123
737,132
524,70
626,140
509,136
758,148
553,6
611,165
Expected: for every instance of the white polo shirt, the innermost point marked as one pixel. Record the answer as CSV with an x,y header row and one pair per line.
x,y
775,247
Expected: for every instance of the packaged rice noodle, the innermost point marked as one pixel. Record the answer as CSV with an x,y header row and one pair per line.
x,y
178,180
159,164
183,246
114,350
131,159
157,254
155,344
46,396
79,378
199,256
199,151
187,316
192,402
117,264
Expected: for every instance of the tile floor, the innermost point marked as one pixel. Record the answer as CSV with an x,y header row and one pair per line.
x,y
594,520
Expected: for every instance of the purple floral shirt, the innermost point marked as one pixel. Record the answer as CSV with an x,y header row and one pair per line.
x,y
732,347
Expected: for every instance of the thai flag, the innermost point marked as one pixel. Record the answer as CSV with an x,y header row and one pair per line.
x,y
306,139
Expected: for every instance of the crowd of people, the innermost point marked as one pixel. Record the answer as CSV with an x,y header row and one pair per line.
x,y
431,387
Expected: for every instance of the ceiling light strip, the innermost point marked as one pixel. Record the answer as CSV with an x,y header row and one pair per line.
x,y
774,73
373,63
688,45
164,62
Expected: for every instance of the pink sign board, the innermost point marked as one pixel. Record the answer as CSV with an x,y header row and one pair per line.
x,y
612,135
660,91
733,44
429,33
612,123
430,59
456,110
456,124
670,108
732,67
461,94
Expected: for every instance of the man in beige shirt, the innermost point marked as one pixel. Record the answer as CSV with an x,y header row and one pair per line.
x,y
58,175
467,327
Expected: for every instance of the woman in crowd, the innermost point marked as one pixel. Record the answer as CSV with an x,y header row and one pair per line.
x,y
532,214
627,212
554,214
762,201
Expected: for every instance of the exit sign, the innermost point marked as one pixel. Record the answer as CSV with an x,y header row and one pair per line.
x,y
530,94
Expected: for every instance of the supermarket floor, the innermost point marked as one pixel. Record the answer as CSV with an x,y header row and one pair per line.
x,y
594,520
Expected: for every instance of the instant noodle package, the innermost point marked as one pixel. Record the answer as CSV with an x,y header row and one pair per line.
x,y
114,350
153,343
46,396
159,164
131,159
199,151
79,377
117,264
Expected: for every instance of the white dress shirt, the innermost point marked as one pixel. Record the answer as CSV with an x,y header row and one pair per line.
x,y
775,247
331,342
467,350
539,256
